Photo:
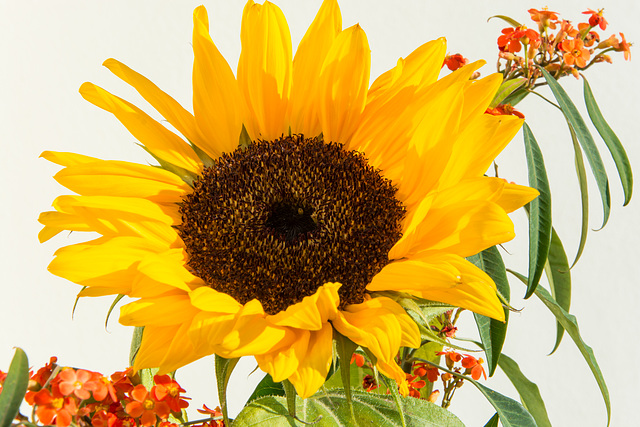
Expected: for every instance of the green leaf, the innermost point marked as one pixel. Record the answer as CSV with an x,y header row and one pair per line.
x,y
331,410
559,276
512,413
570,324
539,211
613,143
492,332
528,391
507,88
507,19
493,422
516,97
584,194
14,388
267,387
224,367
586,141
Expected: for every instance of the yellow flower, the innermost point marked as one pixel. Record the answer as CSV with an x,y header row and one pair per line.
x,y
347,189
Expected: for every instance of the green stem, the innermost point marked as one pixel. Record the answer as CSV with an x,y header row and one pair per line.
x,y
224,367
290,393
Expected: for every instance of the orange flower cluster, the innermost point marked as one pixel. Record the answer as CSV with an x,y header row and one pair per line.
x,y
63,396
557,46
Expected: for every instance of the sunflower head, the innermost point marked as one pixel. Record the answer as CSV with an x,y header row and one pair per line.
x,y
341,191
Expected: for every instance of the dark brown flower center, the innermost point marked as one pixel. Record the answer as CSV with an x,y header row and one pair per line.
x,y
277,220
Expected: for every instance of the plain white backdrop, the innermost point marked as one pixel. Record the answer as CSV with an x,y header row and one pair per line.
x,y
50,48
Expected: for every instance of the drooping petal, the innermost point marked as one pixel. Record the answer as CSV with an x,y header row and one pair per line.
x,y
67,159
264,70
282,363
343,84
313,312
314,366
445,278
217,103
379,324
307,64
159,140
160,311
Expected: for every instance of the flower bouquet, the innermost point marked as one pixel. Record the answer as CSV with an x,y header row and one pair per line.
x,y
343,233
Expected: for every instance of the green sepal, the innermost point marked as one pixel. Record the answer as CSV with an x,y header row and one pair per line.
x,y
345,348
244,141
186,175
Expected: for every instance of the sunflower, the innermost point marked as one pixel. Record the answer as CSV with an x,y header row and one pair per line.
x,y
338,190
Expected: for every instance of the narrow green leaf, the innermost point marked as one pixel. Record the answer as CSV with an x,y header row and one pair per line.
x,y
14,388
570,324
507,19
528,391
224,367
586,141
559,276
539,211
613,143
267,387
492,332
512,413
493,422
507,88
516,97
331,410
584,195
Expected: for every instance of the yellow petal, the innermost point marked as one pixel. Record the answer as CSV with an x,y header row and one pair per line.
x,y
207,299
477,145
159,140
168,268
217,102
114,216
168,107
314,366
166,347
67,159
264,70
516,196
463,219
478,94
419,69
161,311
116,178
379,324
343,85
307,64
312,312
445,278
104,262
282,363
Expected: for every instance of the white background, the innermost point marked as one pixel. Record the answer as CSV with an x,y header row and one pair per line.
x,y
50,48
